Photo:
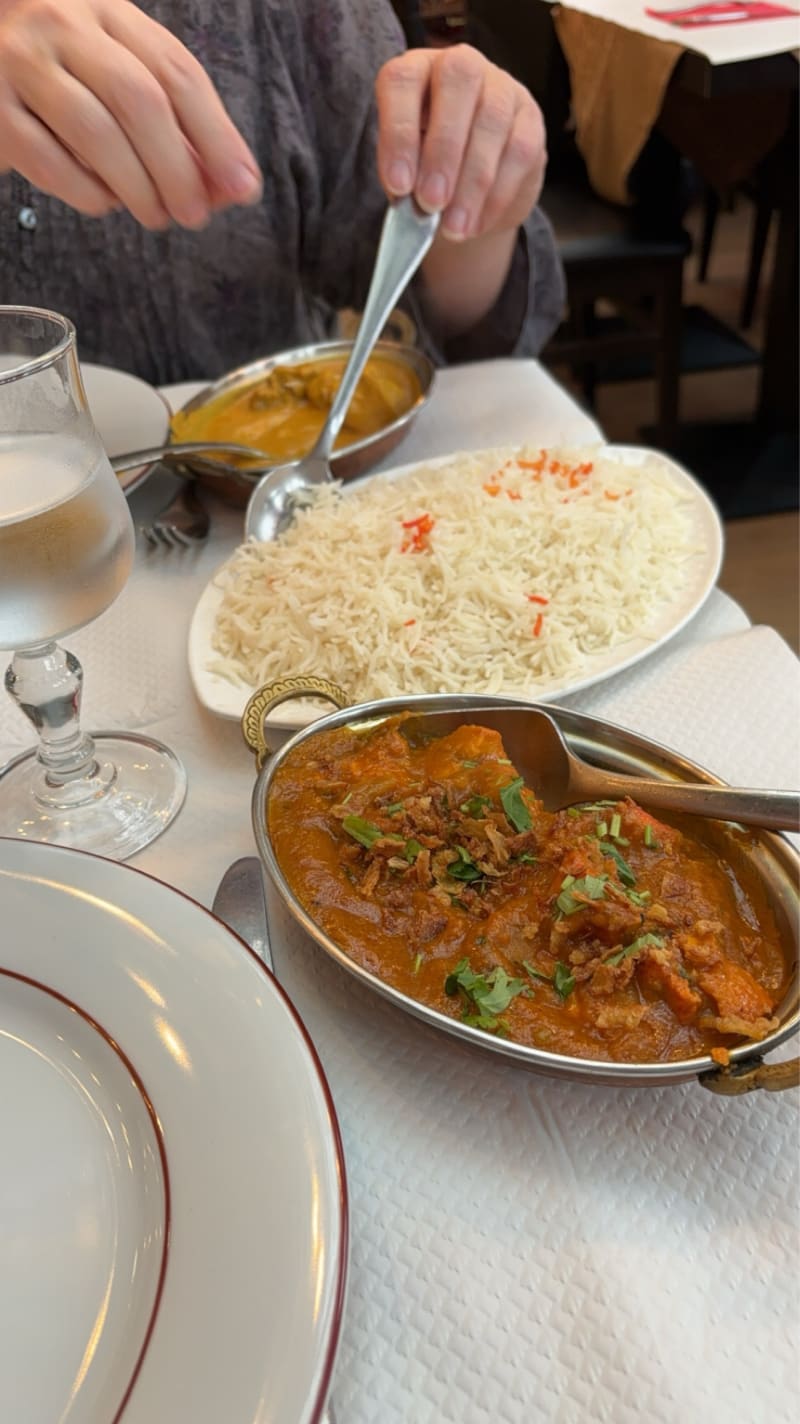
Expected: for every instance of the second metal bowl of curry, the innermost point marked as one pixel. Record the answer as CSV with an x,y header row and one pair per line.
x,y
278,403
768,863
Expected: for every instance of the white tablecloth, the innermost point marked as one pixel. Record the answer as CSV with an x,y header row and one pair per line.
x,y
721,44
523,1250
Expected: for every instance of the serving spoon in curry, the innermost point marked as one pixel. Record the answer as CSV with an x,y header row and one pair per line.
x,y
535,747
405,238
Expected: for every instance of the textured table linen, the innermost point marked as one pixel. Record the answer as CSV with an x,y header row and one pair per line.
x,y
523,1250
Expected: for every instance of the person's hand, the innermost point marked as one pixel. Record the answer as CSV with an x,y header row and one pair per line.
x,y
461,135
102,107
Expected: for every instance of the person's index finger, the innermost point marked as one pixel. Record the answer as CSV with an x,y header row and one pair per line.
x,y
220,148
401,91
457,82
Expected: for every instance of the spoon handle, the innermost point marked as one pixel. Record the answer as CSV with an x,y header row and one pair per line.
x,y
134,458
775,810
406,236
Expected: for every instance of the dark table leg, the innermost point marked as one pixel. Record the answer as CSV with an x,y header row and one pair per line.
x,y
779,407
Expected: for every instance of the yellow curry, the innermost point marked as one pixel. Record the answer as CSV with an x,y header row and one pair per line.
x,y
597,932
283,412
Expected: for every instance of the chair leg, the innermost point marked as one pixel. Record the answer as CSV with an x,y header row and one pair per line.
x,y
586,373
710,214
668,357
761,226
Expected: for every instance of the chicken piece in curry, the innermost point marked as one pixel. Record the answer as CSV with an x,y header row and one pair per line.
x,y
283,412
597,932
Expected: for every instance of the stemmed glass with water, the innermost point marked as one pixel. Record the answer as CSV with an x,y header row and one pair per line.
x,y
66,550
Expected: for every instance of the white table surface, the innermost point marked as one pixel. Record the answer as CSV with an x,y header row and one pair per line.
x,y
721,44
523,1250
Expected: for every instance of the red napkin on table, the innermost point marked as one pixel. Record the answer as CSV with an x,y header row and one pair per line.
x,y
723,12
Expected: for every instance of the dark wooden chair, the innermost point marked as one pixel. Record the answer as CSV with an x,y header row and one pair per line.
x,y
630,260
759,193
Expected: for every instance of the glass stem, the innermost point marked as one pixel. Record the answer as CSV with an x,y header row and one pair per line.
x,y
46,684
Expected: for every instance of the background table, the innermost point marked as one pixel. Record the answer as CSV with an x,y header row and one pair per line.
x,y
523,1250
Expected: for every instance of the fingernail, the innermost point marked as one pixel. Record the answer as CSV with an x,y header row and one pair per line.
x,y
433,192
195,217
456,223
399,176
243,183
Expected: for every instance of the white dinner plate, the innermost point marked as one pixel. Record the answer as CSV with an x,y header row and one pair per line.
x,y
171,1180
228,699
129,415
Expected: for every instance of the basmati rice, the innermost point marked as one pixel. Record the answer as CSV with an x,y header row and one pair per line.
x,y
502,571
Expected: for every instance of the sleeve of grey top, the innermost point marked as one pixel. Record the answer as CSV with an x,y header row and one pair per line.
x,y
346,42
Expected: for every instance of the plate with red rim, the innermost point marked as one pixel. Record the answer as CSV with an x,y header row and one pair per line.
x,y
228,699
171,1138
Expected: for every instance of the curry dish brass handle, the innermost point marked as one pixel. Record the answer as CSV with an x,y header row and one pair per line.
x,y
747,1077
267,698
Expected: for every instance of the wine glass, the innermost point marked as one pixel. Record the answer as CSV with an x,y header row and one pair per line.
x,y
66,550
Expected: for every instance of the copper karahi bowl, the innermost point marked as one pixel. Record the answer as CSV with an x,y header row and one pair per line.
x,y
771,859
346,463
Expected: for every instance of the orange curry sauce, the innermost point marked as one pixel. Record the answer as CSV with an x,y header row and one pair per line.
x,y
597,932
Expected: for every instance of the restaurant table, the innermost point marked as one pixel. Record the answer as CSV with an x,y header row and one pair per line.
x,y
723,96
522,1249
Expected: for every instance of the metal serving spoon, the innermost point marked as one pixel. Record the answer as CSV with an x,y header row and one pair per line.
x,y
407,234
559,778
260,461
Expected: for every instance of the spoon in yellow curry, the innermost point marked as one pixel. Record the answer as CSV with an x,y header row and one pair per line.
x,y
535,747
406,236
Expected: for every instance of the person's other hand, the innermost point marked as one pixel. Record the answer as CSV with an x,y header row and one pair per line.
x,y
461,135
102,107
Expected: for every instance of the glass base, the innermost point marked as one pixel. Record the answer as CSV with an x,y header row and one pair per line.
x,y
136,788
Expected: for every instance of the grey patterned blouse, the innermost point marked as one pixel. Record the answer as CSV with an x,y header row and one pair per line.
x,y
297,77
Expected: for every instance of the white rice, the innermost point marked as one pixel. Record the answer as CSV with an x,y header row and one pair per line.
x,y
603,550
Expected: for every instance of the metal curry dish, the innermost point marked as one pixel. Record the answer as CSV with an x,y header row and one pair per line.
x,y
279,403
599,940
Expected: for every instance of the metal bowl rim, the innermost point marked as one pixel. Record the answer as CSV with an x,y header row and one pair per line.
x,y
539,1060
243,375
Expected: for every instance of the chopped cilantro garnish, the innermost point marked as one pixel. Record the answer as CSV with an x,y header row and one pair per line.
x,y
634,947
589,887
464,868
474,806
638,897
362,831
626,875
563,980
514,806
536,973
486,995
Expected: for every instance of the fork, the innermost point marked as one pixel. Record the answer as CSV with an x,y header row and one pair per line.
x,y
184,521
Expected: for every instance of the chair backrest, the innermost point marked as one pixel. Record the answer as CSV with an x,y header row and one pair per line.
x,y
520,36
